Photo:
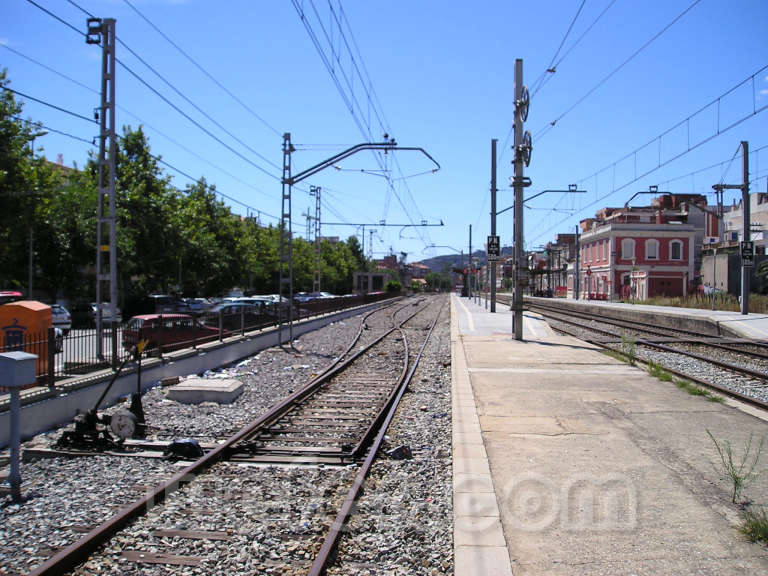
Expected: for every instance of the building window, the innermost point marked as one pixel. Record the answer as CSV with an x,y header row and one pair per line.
x,y
652,249
627,249
675,250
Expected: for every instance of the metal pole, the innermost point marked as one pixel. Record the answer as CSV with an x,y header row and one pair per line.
x,y
470,276
286,244
745,270
518,187
576,270
714,278
31,259
103,32
493,222
14,478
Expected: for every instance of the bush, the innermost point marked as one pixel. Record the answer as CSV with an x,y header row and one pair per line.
x,y
394,286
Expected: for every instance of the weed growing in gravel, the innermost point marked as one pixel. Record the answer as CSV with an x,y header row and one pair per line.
x,y
754,525
628,348
740,474
660,373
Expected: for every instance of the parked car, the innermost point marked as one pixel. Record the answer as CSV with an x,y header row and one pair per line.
x,y
8,296
163,303
106,316
61,318
236,314
171,331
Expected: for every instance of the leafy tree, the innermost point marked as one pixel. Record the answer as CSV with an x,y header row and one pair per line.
x,y
20,184
211,242
357,252
762,274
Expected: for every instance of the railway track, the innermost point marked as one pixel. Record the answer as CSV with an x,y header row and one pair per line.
x,y
339,417
735,367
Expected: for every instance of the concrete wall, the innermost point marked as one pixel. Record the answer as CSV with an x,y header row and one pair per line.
x,y
60,410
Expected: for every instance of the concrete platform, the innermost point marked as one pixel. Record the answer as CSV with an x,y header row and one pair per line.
x,y
198,390
569,462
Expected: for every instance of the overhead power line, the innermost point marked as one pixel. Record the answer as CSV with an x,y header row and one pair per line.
x,y
549,72
44,103
143,122
157,93
158,159
754,110
340,28
538,135
551,68
204,71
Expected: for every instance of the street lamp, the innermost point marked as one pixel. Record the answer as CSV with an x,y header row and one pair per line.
x,y
30,282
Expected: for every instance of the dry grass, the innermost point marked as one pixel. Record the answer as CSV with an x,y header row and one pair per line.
x,y
758,303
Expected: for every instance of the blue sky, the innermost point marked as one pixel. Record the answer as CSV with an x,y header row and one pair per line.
x,y
437,75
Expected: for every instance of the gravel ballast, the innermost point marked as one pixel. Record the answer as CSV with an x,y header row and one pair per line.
x,y
274,517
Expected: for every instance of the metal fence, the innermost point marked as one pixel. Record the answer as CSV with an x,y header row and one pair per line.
x,y
77,353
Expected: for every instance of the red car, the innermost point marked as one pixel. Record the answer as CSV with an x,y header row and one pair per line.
x,y
171,331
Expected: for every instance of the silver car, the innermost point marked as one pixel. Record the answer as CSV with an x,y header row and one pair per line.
x,y
61,318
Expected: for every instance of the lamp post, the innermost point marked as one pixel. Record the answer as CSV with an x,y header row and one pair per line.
x,y
714,278
30,282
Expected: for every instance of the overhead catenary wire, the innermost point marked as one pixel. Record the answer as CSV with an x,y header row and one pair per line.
x,y
350,100
755,111
544,130
204,71
547,76
160,95
157,159
144,123
551,68
48,104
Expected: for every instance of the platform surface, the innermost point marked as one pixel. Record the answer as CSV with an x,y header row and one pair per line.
x,y
569,462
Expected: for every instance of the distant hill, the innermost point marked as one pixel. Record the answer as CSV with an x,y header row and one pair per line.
x,y
438,263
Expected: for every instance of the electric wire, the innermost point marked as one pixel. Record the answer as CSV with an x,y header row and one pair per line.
x,y
204,71
195,106
161,96
44,103
550,68
91,142
725,172
665,183
148,125
554,67
50,69
543,131
351,101
154,157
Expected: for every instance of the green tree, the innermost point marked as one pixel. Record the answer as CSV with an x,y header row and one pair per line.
x,y
21,178
762,274
211,246
357,252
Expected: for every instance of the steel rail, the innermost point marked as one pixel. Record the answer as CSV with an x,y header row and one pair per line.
x,y
319,380
331,541
79,551
711,385
697,337
559,314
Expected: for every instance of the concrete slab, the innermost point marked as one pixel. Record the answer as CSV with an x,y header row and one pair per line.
x,y
596,467
198,390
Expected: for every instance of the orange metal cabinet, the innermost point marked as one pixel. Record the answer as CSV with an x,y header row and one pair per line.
x,y
24,327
